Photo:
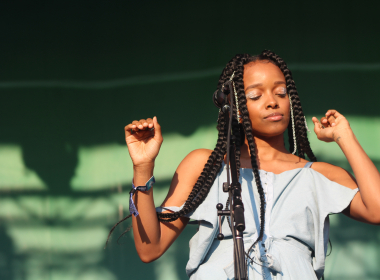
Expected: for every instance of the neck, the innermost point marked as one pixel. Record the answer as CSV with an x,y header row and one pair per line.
x,y
267,149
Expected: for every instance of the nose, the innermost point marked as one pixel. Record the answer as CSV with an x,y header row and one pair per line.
x,y
271,102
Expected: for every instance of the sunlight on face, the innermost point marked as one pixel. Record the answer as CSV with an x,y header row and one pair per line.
x,y
267,99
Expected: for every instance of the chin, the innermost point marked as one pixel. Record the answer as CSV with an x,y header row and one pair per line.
x,y
270,131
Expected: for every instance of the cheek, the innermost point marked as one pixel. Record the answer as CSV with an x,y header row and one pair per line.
x,y
285,103
286,108
254,112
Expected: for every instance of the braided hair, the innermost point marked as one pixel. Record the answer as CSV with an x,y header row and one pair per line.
x,y
234,70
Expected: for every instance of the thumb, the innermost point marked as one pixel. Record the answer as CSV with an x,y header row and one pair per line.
x,y
317,125
157,129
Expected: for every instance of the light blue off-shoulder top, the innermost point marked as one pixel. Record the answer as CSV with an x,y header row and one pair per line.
x,y
294,246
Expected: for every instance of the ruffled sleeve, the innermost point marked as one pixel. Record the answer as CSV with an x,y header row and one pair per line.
x,y
331,198
303,200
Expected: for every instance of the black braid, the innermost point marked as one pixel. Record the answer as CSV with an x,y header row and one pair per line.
x,y
238,132
207,177
241,61
238,141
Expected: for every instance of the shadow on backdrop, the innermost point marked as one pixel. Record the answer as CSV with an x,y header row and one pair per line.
x,y
73,74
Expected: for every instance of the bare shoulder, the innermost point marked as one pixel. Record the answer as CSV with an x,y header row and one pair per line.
x,y
192,165
197,156
185,177
335,173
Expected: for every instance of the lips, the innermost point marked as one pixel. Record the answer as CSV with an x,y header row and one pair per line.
x,y
274,117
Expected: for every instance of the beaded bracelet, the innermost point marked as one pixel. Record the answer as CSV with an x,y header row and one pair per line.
x,y
148,185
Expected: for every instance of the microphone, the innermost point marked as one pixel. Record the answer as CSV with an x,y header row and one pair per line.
x,y
220,98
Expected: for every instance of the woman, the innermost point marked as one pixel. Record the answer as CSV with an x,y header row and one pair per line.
x,y
287,199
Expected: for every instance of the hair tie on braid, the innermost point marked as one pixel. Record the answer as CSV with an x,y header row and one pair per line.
x,y
307,128
236,102
232,76
236,98
293,128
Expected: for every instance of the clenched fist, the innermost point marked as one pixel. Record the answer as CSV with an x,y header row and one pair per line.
x,y
144,140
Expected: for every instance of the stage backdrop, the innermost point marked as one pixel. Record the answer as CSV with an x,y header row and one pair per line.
x,y
74,73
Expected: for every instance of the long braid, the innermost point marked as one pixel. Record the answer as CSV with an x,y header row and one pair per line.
x,y
242,60
206,179
238,133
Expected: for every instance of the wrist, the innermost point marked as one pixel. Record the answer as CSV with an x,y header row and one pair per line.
x,y
143,167
142,173
342,136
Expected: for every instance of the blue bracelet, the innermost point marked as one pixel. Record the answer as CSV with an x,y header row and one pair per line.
x,y
148,185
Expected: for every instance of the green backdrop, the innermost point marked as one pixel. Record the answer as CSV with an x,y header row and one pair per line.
x,y
74,73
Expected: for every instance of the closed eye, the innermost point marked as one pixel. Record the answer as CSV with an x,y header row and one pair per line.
x,y
253,96
282,95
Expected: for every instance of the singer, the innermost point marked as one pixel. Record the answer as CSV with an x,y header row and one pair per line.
x,y
287,199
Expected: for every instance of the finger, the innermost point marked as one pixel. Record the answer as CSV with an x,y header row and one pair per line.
x,y
150,123
157,128
317,125
139,125
330,112
146,124
334,113
328,121
142,124
331,120
324,122
135,124
129,130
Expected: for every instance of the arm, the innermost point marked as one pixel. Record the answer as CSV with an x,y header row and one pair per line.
x,y
152,238
365,206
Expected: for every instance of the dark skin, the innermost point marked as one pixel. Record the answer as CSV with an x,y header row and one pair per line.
x,y
269,111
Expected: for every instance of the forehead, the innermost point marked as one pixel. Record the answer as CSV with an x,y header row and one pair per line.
x,y
261,72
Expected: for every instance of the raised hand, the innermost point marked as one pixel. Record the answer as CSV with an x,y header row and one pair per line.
x,y
144,140
331,127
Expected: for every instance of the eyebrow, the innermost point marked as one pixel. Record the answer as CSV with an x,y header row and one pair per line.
x,y
260,84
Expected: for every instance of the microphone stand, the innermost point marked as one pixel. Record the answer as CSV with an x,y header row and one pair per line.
x,y
236,211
